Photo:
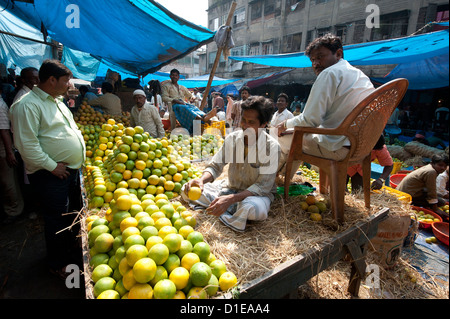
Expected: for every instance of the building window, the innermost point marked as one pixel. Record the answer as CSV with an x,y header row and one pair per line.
x,y
341,32
322,31
267,48
255,49
269,7
214,24
393,25
239,16
292,43
239,51
292,5
256,10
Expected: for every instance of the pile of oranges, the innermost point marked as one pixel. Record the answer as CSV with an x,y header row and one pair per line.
x,y
86,115
148,249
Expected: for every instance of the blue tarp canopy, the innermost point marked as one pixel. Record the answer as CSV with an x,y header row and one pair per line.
x,y
428,49
202,81
17,53
137,36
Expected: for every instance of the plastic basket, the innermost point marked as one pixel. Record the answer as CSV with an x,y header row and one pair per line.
x,y
395,179
214,128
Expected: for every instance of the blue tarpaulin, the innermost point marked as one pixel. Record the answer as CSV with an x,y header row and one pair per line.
x,y
429,50
139,36
17,53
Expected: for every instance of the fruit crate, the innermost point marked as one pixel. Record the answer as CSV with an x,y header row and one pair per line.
x,y
213,127
401,196
397,166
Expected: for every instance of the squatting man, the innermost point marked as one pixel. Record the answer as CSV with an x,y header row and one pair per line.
x,y
253,156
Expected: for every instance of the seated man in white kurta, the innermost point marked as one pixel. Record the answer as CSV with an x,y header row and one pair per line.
x,y
252,156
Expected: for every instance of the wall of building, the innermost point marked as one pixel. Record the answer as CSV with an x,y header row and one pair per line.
x,y
289,25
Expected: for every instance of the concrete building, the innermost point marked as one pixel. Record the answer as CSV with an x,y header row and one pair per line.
x,y
283,26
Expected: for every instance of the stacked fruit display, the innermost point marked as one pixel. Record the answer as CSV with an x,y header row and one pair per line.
x,y
129,158
86,115
198,147
148,249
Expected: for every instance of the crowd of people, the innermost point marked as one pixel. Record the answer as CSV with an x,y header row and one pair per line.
x,y
39,128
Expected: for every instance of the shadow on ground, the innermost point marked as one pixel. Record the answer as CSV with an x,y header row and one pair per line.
x,y
23,271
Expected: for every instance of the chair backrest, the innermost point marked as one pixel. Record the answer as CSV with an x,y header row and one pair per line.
x,y
367,121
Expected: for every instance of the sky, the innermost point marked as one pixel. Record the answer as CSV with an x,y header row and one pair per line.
x,y
192,10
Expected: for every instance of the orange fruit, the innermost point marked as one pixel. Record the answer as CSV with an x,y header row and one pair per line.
x,y
134,253
124,202
103,284
144,270
172,262
164,289
200,274
310,200
173,242
197,293
140,291
128,222
159,253
194,193
161,273
180,277
189,259
227,280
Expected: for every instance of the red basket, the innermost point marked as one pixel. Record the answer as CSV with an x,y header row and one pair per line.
x,y
426,225
395,179
440,230
166,123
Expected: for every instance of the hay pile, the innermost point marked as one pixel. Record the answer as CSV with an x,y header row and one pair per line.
x,y
288,232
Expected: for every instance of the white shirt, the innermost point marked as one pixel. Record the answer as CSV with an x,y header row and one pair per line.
x,y
336,92
24,90
4,123
149,118
441,181
278,117
161,104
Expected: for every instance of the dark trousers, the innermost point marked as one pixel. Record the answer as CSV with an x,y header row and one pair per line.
x,y
57,198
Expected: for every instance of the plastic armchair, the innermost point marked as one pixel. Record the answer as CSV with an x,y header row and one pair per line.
x,y
363,127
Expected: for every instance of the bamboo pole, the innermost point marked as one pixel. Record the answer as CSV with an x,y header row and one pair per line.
x,y
216,61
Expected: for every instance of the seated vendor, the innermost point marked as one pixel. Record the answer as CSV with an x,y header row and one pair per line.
x,y
421,183
108,102
252,155
380,153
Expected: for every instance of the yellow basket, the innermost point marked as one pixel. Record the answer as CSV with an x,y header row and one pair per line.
x,y
404,197
397,167
214,128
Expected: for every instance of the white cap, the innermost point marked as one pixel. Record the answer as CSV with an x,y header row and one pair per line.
x,y
139,92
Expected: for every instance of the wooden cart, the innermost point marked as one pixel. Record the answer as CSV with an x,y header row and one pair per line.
x,y
283,281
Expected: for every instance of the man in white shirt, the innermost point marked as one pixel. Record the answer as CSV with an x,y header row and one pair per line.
x,y
30,78
442,187
338,89
283,113
146,115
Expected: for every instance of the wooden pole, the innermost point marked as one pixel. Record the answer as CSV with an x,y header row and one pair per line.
x,y
216,61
